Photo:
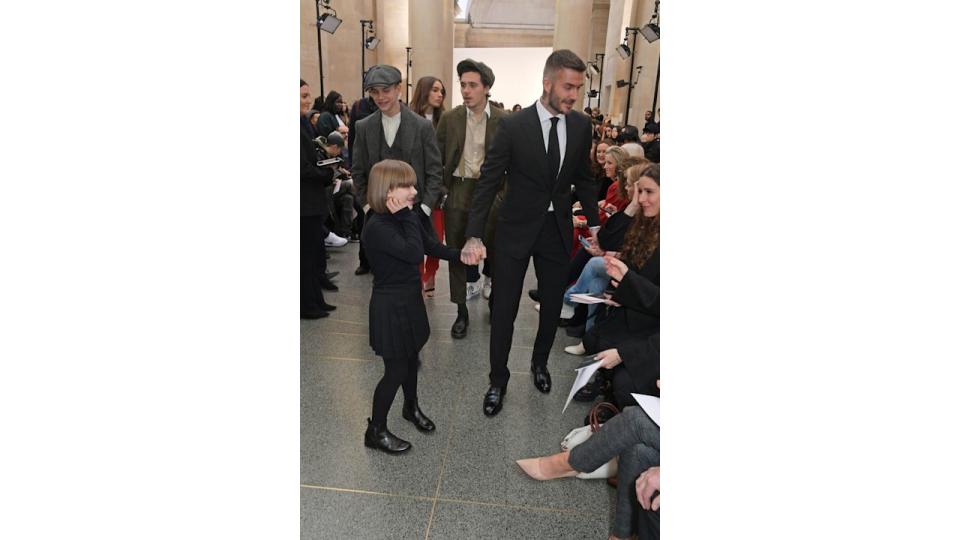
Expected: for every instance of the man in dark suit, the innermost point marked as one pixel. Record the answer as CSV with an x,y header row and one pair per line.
x,y
396,132
465,135
314,209
543,150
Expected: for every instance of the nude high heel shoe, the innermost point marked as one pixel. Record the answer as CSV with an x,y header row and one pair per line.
x,y
548,468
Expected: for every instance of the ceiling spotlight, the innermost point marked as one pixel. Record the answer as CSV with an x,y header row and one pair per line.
x,y
650,32
623,51
371,42
593,68
621,83
328,22
593,93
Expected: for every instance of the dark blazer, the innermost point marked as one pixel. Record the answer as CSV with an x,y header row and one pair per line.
x,y
451,135
313,180
418,144
518,152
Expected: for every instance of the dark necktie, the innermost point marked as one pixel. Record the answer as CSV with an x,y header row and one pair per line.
x,y
553,150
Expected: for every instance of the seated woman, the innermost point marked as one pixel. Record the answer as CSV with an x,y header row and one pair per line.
x,y
633,437
638,228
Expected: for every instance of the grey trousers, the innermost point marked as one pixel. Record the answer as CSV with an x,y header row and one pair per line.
x,y
636,439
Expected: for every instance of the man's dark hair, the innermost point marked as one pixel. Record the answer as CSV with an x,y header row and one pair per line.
x,y
303,82
564,58
629,134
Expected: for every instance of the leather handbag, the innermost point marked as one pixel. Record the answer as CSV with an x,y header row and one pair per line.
x,y
580,434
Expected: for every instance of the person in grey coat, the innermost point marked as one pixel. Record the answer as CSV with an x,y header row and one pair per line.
x,y
395,132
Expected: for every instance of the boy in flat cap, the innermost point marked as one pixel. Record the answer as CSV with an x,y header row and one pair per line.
x,y
464,135
396,132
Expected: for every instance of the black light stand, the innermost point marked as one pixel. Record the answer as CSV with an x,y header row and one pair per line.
x,y
363,50
409,63
319,48
598,58
656,90
633,52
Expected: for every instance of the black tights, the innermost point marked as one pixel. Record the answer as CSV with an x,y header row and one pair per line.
x,y
397,372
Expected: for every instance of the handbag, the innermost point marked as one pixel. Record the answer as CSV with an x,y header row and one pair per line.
x,y
580,434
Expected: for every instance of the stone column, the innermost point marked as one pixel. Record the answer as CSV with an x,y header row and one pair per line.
x,y
613,101
431,36
647,55
572,28
392,24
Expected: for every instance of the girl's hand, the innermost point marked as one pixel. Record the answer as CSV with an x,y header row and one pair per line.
x,y
615,267
592,247
608,358
394,205
634,206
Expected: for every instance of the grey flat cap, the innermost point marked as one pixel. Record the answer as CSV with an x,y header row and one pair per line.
x,y
381,75
486,74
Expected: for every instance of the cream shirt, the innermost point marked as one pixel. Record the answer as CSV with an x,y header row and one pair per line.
x,y
471,160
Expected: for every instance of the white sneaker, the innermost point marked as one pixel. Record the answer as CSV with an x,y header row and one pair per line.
x,y
576,349
487,287
473,289
333,240
567,311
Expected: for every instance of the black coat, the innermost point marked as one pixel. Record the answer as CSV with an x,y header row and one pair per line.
x,y
518,153
314,180
395,245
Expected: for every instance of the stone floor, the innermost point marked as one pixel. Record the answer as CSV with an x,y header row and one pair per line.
x,y
459,481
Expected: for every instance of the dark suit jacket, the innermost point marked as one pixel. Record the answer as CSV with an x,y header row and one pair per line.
x,y
313,180
518,152
451,135
418,145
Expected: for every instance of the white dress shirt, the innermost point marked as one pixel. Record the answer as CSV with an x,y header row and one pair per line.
x,y
391,124
545,124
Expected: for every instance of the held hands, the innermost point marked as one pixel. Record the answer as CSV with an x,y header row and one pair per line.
x,y
473,252
608,358
647,483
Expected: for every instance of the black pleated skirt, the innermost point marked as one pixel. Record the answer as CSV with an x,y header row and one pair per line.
x,y
398,322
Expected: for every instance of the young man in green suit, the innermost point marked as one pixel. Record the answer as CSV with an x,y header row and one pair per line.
x,y
464,136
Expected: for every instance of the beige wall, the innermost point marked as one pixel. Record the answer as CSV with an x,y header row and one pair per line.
x,y
341,51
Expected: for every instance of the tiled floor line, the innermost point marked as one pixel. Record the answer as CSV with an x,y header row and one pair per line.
x,y
450,500
365,324
443,462
512,372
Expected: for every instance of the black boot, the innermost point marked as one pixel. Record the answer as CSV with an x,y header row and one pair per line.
x,y
379,437
412,412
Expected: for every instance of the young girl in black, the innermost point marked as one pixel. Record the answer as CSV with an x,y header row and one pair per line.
x,y
395,241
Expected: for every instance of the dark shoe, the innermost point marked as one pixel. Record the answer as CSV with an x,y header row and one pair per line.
x,y
534,295
312,316
331,275
590,392
412,412
541,378
354,238
493,400
459,330
327,307
361,270
328,285
379,437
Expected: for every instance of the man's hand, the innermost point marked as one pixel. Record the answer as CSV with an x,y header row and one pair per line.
x,y
647,483
609,358
615,267
474,250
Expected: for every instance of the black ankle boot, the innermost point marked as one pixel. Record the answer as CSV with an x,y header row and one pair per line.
x,y
412,412
379,437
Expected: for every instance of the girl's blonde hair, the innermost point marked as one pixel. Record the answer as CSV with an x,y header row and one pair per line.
x,y
387,175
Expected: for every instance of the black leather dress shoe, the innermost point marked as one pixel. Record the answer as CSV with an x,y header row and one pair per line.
x,y
328,285
331,275
379,437
361,270
312,316
459,330
541,378
493,400
534,295
412,412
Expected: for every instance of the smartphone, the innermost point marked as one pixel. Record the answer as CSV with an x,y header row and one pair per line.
x,y
584,243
